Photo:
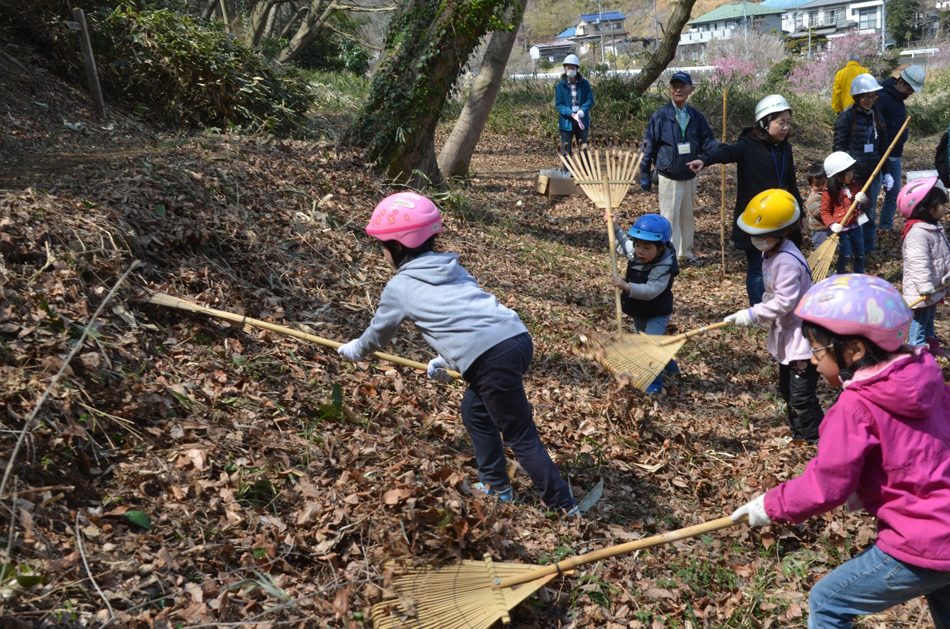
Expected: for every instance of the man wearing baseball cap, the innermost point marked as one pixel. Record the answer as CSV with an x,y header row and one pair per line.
x,y
675,135
890,101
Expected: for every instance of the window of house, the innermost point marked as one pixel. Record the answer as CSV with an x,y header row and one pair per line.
x,y
868,18
830,16
580,30
813,18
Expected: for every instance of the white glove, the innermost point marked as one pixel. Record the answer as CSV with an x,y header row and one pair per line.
x,y
575,109
580,114
741,318
861,198
836,228
755,509
888,181
437,370
350,351
926,289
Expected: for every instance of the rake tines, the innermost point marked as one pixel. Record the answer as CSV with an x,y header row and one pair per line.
x,y
821,258
589,171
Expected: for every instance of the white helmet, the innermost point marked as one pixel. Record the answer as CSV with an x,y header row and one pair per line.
x,y
914,76
838,162
572,60
770,105
864,83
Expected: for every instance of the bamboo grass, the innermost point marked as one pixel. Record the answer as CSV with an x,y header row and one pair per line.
x,y
169,301
477,594
820,260
642,357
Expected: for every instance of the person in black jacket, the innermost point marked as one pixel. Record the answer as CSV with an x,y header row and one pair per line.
x,y
763,158
890,100
675,135
942,159
861,133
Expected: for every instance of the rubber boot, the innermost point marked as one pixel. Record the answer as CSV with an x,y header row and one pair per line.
x,y
935,348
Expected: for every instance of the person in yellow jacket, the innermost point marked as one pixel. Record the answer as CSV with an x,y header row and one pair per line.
x,y
841,93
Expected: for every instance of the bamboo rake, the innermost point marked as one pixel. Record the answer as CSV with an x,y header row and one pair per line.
x,y
476,594
722,212
820,260
169,301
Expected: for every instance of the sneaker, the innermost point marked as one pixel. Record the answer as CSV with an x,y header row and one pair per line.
x,y
672,367
575,511
694,261
655,388
935,349
505,494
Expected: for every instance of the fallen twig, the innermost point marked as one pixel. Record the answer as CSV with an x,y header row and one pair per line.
x,y
85,562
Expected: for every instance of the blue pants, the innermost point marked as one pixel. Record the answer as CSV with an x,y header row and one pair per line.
x,y
851,244
872,582
754,286
889,205
870,228
922,327
656,326
495,407
818,237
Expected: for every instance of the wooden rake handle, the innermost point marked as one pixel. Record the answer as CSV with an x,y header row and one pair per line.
x,y
162,299
924,297
685,336
613,252
613,551
877,169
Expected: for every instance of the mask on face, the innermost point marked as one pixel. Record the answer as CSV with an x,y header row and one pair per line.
x,y
571,73
762,244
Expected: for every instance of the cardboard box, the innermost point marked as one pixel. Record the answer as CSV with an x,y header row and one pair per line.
x,y
555,186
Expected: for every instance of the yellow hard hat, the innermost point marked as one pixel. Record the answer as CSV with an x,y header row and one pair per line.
x,y
770,213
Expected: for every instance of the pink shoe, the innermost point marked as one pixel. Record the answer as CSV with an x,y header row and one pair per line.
x,y
935,348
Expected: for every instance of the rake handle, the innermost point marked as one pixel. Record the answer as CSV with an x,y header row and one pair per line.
x,y
924,297
722,209
877,169
685,336
613,252
163,299
613,551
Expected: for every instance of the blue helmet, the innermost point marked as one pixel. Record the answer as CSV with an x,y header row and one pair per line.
x,y
652,227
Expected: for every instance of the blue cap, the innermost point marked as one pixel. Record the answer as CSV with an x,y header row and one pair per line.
x,y
682,76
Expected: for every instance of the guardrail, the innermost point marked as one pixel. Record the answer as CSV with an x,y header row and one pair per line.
x,y
694,71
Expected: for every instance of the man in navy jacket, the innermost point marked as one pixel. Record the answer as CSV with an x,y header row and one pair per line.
x,y
890,101
676,134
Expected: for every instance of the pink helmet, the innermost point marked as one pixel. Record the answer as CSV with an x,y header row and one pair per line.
x,y
406,217
913,193
859,305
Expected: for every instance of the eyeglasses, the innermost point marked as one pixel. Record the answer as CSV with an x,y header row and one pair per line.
x,y
814,350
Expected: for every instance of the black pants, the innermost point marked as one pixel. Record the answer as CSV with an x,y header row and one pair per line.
x,y
798,382
567,138
495,408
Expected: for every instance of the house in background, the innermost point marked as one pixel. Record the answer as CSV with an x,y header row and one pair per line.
x,y
723,22
584,35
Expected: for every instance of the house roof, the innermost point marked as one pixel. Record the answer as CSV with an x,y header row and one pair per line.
x,y
815,4
607,16
784,4
568,33
735,12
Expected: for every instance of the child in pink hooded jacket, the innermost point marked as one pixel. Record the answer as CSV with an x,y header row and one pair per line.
x,y
887,441
769,218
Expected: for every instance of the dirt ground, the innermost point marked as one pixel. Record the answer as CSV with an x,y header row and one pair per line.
x,y
190,472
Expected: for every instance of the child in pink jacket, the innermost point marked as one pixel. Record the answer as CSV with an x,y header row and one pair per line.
x,y
926,256
886,442
769,218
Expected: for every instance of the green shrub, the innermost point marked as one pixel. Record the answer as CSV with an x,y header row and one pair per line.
x,y
180,70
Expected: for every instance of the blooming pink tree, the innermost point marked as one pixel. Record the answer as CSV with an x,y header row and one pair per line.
x,y
818,74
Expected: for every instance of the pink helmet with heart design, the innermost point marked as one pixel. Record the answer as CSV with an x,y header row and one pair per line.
x,y
858,305
406,217
913,193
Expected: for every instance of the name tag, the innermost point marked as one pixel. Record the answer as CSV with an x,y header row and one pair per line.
x,y
683,148
862,219
868,148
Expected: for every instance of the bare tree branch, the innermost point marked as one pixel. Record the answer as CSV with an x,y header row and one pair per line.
x,y
351,7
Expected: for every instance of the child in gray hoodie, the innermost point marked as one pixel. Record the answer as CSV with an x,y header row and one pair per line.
x,y
472,332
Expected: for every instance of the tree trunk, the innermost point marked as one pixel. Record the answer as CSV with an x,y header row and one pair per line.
x,y
456,155
427,45
257,21
309,28
667,49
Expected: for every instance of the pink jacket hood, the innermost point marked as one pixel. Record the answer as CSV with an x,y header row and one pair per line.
x,y
888,439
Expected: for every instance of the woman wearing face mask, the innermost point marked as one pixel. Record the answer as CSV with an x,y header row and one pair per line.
x,y
573,99
769,219
861,132
763,159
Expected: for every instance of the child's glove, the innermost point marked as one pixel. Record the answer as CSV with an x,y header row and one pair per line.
x,y
740,319
836,228
861,198
888,182
350,350
926,289
755,509
646,182
437,370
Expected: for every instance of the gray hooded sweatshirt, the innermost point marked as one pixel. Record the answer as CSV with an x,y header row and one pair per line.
x,y
456,317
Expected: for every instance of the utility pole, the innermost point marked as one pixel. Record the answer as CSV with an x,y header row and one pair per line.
x,y
656,28
745,27
600,21
883,28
